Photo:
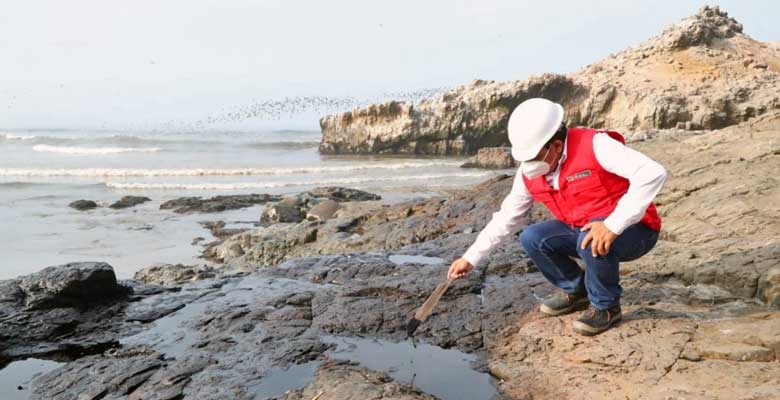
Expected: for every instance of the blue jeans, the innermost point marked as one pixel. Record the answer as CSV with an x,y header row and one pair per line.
x,y
552,244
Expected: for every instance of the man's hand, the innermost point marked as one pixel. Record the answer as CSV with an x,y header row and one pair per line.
x,y
601,236
459,269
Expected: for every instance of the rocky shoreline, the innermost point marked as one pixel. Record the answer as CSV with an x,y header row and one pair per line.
x,y
703,302
312,301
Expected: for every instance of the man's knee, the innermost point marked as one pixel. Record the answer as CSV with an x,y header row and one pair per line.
x,y
587,252
530,238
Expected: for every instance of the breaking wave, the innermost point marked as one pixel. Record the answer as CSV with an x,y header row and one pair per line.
x,y
11,136
267,185
83,151
129,172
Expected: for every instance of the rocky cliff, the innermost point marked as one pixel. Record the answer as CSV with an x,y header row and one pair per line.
x,y
701,73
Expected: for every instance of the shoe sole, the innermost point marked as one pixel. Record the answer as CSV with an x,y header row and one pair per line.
x,y
544,309
587,330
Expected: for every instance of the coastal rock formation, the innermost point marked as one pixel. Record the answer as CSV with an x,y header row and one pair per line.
x,y
281,212
320,203
129,201
228,336
61,308
493,158
342,194
70,285
184,205
83,205
364,226
457,122
173,274
701,73
698,309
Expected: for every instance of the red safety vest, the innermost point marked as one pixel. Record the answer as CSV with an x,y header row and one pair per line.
x,y
586,190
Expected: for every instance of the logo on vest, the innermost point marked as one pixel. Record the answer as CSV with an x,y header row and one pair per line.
x,y
578,175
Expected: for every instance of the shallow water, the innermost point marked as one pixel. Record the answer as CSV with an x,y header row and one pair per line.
x,y
411,259
445,373
281,380
20,373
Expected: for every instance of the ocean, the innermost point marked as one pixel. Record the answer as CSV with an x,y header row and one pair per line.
x,y
42,171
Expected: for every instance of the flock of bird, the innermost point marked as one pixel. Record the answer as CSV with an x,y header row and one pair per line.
x,y
290,107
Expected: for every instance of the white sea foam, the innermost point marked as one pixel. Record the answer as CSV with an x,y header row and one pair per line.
x,y
84,151
266,185
11,136
130,172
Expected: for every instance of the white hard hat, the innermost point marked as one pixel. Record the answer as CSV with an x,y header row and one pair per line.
x,y
531,125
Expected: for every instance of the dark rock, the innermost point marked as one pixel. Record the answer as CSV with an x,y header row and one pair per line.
x,y
224,335
129,201
70,311
71,285
83,205
94,377
374,295
342,194
217,203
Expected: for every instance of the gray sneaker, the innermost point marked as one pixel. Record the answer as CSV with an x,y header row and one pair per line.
x,y
562,303
593,321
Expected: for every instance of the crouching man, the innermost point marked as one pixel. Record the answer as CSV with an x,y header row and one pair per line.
x,y
601,194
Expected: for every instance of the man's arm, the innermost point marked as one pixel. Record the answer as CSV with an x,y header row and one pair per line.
x,y
645,176
504,221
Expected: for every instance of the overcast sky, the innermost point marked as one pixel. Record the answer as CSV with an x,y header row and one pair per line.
x,y
128,64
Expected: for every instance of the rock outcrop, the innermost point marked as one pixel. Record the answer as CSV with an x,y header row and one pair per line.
x,y
71,308
185,205
173,274
129,201
70,285
493,158
701,73
365,226
83,205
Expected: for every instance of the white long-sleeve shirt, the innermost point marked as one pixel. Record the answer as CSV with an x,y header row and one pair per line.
x,y
645,176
